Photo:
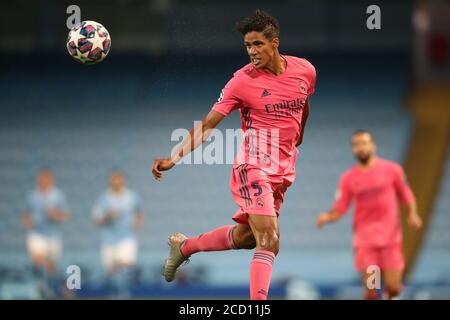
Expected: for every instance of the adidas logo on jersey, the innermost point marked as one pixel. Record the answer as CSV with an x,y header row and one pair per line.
x,y
265,93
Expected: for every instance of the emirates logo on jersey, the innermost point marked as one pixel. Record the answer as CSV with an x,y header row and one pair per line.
x,y
286,108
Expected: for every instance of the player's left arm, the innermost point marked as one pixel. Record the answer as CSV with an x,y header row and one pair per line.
x,y
27,220
195,138
305,116
407,197
414,219
138,219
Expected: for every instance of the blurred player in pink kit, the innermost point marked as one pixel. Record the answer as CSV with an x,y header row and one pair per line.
x,y
375,184
271,94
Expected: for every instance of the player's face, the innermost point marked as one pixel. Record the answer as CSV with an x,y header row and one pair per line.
x,y
45,180
116,181
363,147
260,49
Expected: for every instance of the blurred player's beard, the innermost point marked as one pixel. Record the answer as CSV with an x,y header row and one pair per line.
x,y
363,158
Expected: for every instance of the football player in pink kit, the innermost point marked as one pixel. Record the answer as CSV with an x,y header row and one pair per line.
x,y
375,184
271,93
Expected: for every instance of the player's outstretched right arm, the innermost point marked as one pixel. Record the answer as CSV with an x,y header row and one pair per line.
x,y
195,138
342,202
327,217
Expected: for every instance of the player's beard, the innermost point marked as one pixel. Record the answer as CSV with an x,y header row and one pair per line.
x,y
363,158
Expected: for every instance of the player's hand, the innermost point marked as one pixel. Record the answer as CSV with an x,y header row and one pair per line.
x,y
138,221
27,221
56,214
414,221
112,214
322,219
160,165
52,214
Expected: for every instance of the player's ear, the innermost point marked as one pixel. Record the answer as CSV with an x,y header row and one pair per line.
x,y
275,42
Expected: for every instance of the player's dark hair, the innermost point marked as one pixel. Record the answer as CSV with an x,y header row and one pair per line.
x,y
259,21
363,131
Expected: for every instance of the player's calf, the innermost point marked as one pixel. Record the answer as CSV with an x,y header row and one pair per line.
x,y
265,231
392,291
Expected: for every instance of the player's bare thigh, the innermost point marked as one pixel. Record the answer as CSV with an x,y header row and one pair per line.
x,y
41,260
43,252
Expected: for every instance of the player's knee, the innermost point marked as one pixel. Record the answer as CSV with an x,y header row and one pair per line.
x,y
244,241
39,260
51,267
268,241
393,290
249,245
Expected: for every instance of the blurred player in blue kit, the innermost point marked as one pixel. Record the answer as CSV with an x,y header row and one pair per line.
x,y
46,209
118,214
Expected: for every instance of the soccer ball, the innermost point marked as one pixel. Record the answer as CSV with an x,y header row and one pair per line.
x,y
89,42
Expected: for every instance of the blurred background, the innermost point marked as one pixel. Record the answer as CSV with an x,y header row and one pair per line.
x,y
168,63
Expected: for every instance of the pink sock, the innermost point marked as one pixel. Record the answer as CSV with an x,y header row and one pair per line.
x,y
217,240
260,274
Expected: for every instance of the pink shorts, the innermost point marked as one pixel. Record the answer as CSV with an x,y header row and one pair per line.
x,y
388,258
256,193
